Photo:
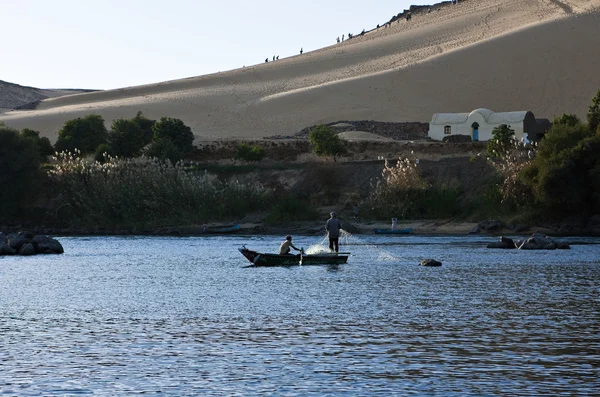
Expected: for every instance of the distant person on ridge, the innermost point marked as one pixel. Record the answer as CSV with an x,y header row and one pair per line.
x,y
301,51
266,60
342,37
333,232
284,248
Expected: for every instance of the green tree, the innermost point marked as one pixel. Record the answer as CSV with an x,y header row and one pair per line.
x,y
325,141
164,149
248,152
145,125
501,141
594,113
43,145
565,174
126,138
83,133
20,176
176,131
566,119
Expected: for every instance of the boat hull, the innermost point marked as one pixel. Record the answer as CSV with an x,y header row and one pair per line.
x,y
223,230
263,259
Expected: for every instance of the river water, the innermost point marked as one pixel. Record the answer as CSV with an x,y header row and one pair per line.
x,y
184,316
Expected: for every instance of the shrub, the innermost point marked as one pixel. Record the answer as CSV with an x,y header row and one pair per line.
x,y
102,151
164,149
564,174
248,152
20,165
145,125
144,192
501,141
126,138
43,145
566,119
325,141
395,193
176,131
594,114
509,163
83,133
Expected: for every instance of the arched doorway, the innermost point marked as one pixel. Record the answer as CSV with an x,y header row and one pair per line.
x,y
475,127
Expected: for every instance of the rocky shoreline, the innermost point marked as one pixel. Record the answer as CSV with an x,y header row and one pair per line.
x,y
26,243
352,226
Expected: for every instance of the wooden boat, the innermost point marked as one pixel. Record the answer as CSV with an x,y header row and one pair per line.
x,y
222,229
264,259
390,231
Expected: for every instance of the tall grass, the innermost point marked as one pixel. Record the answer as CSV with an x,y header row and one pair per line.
x,y
509,164
147,192
402,193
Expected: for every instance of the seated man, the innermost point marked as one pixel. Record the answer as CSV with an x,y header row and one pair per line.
x,y
284,248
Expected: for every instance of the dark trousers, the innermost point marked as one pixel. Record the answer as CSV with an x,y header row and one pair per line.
x,y
333,244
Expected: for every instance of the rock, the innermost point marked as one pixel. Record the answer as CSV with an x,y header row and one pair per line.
x,y
504,243
27,249
520,228
45,243
539,241
491,225
16,240
475,229
5,249
430,263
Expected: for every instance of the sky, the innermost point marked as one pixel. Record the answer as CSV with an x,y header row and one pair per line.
x,y
107,44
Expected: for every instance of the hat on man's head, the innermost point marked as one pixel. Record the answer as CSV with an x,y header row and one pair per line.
x,y
333,213
288,237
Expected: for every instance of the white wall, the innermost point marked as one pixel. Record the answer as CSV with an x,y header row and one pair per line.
x,y
436,131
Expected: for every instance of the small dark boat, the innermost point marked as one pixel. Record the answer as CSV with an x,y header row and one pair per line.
x,y
263,259
390,231
222,229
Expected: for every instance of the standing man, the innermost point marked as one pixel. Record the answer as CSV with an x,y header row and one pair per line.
x,y
333,231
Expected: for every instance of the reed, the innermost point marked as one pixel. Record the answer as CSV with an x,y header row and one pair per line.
x,y
147,192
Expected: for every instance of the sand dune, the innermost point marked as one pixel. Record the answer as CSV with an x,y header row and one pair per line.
x,y
539,55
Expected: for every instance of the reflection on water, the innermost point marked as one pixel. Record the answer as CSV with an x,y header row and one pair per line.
x,y
181,316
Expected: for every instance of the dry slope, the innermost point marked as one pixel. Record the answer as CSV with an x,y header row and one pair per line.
x,y
540,55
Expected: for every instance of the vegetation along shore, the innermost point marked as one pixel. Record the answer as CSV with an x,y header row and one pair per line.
x,y
147,176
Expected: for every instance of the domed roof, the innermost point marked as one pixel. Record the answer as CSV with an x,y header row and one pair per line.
x,y
485,113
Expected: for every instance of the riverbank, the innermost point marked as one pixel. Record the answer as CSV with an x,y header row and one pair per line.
x,y
352,226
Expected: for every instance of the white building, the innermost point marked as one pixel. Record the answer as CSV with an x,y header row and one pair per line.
x,y
480,123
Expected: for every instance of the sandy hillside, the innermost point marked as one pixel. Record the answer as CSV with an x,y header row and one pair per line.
x,y
539,55
14,96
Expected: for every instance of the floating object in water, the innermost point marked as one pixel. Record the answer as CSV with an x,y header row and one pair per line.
x,y
430,263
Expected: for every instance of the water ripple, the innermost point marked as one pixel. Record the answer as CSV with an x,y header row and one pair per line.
x,y
123,316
